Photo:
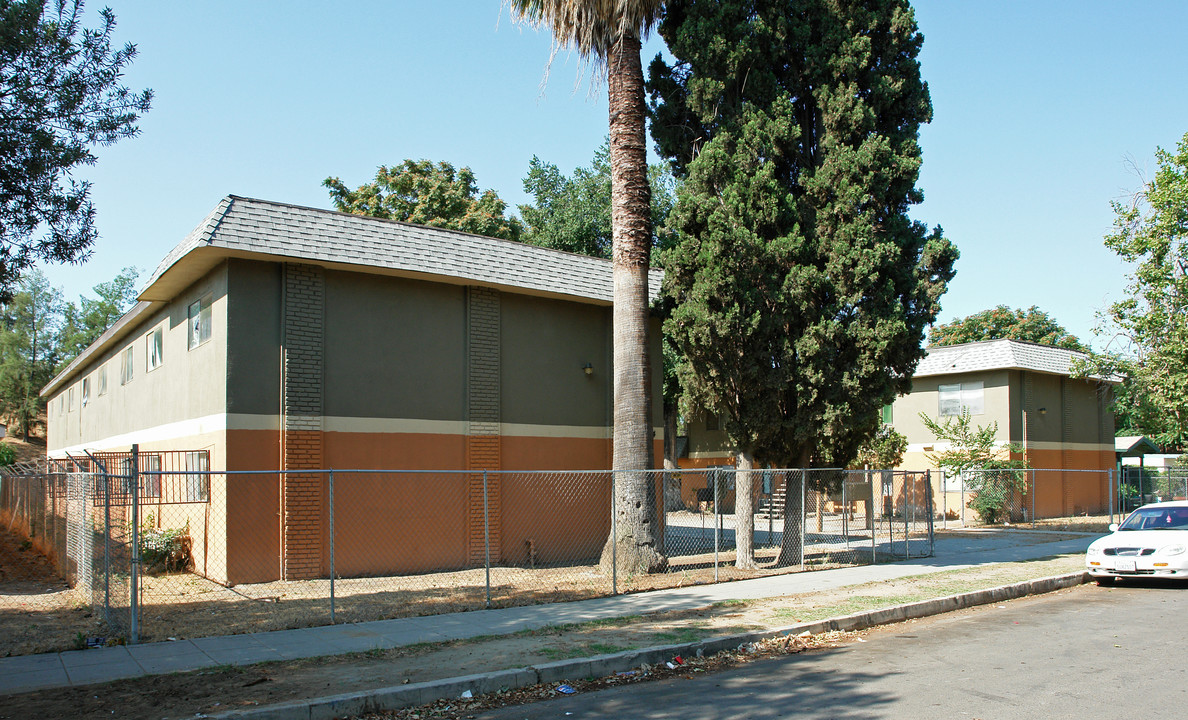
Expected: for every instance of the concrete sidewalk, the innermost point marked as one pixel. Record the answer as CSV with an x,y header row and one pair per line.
x,y
84,667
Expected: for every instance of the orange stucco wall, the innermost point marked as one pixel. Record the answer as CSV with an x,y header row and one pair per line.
x,y
410,522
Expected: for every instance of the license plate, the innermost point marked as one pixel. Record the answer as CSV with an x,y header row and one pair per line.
x,y
1125,565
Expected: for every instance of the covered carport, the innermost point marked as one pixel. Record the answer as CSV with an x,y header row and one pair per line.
x,y
1130,446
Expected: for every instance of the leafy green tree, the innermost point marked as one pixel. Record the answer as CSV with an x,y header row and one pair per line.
x,y
574,213
82,324
1151,232
419,191
973,452
802,289
28,349
609,34
883,450
1031,325
60,95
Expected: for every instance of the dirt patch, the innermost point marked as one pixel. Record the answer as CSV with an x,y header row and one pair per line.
x,y
35,603
222,689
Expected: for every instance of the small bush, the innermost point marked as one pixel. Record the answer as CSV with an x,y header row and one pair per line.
x,y
7,455
165,550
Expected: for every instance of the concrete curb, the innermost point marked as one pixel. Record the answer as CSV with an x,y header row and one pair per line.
x,y
402,696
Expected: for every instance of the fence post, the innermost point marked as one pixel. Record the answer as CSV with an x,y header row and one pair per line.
x,y
845,511
944,498
1111,492
107,546
928,505
134,600
487,538
1034,488
803,513
870,510
331,508
715,474
614,537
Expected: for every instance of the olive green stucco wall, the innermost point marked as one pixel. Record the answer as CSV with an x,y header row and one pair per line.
x,y
155,405
253,332
544,345
394,348
925,398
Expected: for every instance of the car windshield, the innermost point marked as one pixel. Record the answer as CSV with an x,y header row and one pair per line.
x,y
1157,518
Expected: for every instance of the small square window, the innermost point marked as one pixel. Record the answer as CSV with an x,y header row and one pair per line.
x,y
154,352
126,366
199,321
961,397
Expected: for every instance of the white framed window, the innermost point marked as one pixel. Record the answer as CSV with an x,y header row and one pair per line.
x,y
958,397
126,365
197,481
86,391
102,380
151,476
154,348
199,321
70,399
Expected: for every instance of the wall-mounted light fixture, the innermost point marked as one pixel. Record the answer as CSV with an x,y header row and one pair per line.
x,y
588,368
1043,411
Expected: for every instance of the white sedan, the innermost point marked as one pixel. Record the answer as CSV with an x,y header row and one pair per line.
x,y
1151,543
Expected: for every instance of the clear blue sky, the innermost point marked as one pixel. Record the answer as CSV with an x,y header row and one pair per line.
x,y
1040,107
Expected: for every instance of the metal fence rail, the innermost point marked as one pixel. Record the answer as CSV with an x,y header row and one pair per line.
x,y
1028,496
166,547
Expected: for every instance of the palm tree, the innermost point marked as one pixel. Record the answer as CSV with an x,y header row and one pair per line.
x,y
608,33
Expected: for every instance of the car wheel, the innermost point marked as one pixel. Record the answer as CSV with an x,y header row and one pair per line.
x,y
1105,581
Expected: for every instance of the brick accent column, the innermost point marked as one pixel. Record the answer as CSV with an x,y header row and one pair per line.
x,y
301,420
483,417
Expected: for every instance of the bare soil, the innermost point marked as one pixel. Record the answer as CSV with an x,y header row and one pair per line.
x,y
45,616
227,688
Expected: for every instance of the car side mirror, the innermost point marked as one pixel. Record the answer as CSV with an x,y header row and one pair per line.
x,y
1113,527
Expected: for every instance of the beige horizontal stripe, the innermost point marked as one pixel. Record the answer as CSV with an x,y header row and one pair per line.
x,y
1086,447
249,421
157,433
717,455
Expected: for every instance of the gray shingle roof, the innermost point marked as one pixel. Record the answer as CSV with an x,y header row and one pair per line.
x,y
997,355
308,234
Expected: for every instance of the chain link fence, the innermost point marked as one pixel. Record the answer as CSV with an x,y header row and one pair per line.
x,y
1029,496
175,549
1141,485
66,546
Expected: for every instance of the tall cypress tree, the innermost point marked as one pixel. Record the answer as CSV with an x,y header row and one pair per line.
x,y
801,287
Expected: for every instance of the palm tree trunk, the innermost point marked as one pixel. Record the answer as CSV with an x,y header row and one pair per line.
x,y
744,510
635,497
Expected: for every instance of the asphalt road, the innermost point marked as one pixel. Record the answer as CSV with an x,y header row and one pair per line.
x,y
1088,652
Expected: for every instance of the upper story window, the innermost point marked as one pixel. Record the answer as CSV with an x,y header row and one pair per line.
x,y
199,321
70,399
958,397
712,422
126,365
102,379
86,391
888,415
155,342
